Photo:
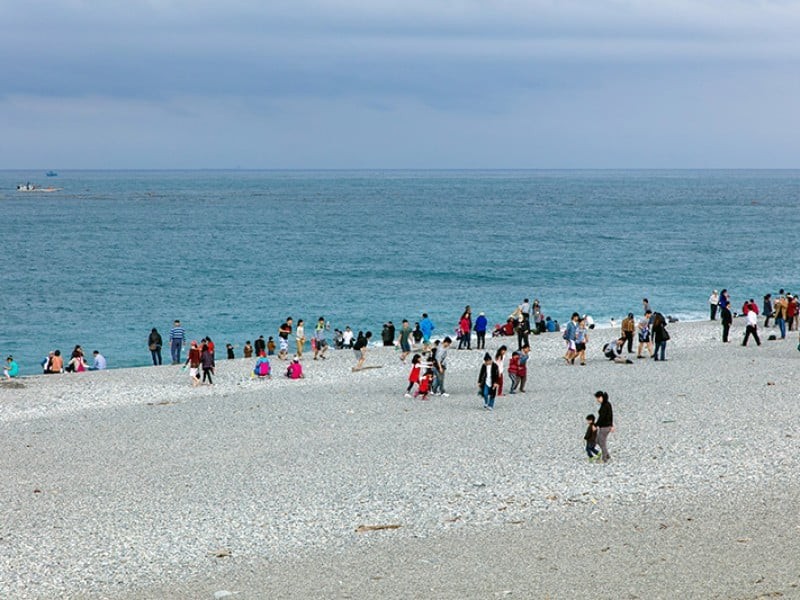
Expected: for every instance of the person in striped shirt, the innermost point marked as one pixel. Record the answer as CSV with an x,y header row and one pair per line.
x,y
177,337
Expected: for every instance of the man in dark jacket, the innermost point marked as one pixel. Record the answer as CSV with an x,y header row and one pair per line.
x,y
488,379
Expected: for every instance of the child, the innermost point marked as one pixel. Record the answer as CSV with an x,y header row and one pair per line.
x,y
271,346
591,439
248,349
295,369
413,376
262,368
425,385
229,348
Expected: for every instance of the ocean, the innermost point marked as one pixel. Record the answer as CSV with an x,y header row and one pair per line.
x,y
233,253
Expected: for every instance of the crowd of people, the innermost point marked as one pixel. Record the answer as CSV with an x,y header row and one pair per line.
x,y
783,310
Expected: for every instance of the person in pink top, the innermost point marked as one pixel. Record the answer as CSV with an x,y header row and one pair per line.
x,y
295,369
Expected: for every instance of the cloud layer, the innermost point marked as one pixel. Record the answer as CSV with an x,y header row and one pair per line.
x,y
165,84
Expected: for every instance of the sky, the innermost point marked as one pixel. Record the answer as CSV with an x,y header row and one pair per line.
x,y
406,84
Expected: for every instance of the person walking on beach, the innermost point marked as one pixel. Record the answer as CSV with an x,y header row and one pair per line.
x,y
177,337
500,361
713,302
590,437
605,423
426,326
405,342
569,337
194,363
487,381
426,382
513,371
414,374
522,369
481,323
320,343
581,339
154,344
207,362
360,349
752,328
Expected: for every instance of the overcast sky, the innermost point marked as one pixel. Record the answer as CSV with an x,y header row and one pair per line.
x,y
405,84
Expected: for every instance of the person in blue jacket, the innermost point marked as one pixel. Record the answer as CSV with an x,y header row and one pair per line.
x,y
480,330
427,327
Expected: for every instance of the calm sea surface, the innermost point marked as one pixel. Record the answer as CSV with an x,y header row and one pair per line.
x,y
232,253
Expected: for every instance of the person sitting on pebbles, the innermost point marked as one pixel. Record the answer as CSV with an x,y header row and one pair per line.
x,y
12,368
295,369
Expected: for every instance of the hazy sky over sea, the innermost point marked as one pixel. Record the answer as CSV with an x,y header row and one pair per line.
x,y
399,84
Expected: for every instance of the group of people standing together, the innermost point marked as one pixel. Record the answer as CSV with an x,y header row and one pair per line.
x,y
783,310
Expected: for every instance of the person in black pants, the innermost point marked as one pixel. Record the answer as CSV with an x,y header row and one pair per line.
x,y
726,318
605,423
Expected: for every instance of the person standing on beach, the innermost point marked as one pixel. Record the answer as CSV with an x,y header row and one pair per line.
x,y
713,301
440,367
646,305
405,342
605,423
154,343
725,315
426,326
660,336
177,337
300,337
522,369
767,309
590,437
538,317
284,331
414,374
513,371
780,314
581,339
523,329
320,343
628,327
465,329
644,335
247,351
481,323
487,381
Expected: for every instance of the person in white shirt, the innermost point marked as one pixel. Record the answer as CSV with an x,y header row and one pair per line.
x,y
752,328
99,363
713,301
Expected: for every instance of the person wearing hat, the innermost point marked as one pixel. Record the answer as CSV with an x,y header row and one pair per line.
x,y
12,368
628,327
713,302
480,331
295,369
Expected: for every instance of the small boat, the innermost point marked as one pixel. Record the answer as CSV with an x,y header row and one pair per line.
x,y
29,187
51,174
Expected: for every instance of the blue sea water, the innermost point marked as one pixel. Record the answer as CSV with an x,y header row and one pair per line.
x,y
232,253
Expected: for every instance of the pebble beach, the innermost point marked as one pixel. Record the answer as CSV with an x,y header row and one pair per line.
x,y
130,483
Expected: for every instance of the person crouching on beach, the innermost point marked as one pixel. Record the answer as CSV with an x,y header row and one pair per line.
x,y
425,384
414,375
487,381
12,368
193,361
613,351
591,439
295,369
605,423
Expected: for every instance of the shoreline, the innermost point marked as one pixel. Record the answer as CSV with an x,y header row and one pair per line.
x,y
130,483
